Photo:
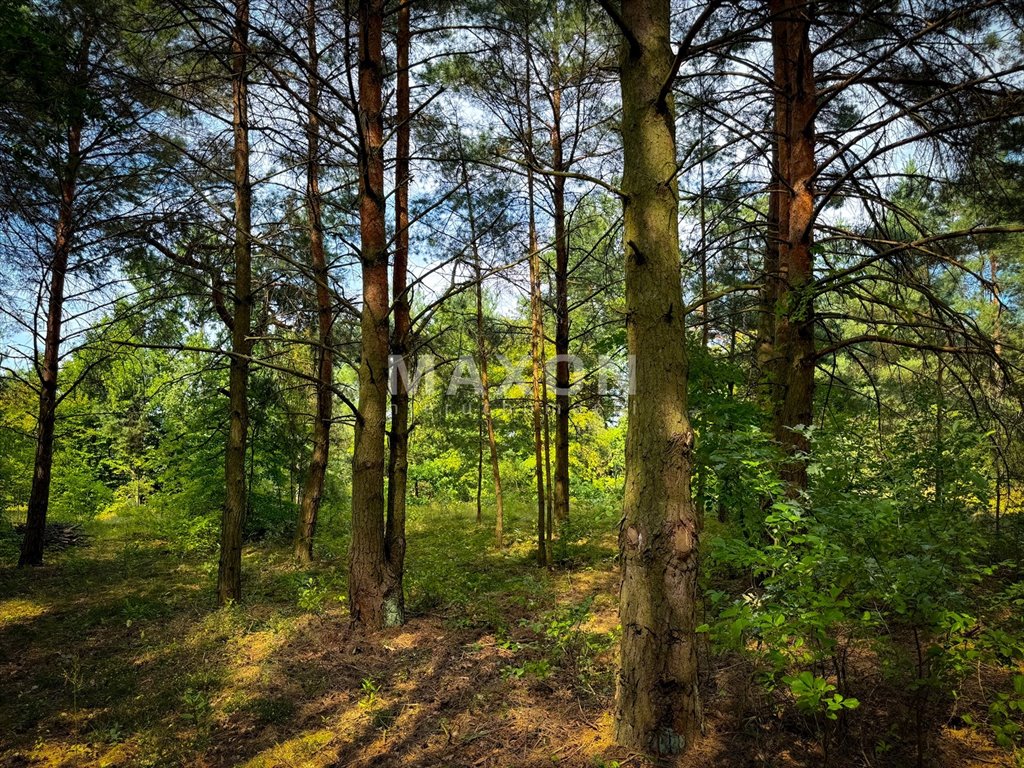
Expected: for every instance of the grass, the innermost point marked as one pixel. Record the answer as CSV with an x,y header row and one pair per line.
x,y
115,654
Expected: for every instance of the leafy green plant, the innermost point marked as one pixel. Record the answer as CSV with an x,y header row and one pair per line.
x,y
370,689
198,711
312,594
815,695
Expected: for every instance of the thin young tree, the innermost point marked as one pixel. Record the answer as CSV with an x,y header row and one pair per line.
x,y
229,573
398,458
313,490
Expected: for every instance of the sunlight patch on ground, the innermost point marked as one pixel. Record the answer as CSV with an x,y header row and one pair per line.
x,y
19,609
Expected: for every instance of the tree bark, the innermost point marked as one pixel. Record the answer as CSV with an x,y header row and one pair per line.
x,y
794,349
39,497
657,703
374,591
313,491
398,461
229,575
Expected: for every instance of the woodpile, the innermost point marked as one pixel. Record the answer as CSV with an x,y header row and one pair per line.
x,y
60,536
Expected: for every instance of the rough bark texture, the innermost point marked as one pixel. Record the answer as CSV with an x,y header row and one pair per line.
x,y
229,574
398,460
375,598
794,353
657,704
39,497
314,487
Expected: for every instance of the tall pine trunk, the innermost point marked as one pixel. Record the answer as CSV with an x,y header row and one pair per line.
x,y
375,599
536,324
229,575
39,497
313,491
561,490
794,350
657,703
398,460
536,342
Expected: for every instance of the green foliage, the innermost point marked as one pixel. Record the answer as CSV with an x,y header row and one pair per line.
x,y
815,695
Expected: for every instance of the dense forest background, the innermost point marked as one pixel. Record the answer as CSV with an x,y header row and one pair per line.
x,y
518,383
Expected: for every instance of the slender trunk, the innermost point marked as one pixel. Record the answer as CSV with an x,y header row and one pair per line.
x,y
657,703
796,102
229,575
485,390
705,318
39,497
313,491
997,350
536,341
480,465
398,461
374,598
536,329
561,500
548,496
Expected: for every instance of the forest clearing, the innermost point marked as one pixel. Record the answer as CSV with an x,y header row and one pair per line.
x,y
116,655
594,383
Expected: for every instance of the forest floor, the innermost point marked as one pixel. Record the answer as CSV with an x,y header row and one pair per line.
x,y
114,654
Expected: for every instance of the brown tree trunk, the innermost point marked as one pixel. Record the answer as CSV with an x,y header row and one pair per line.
x,y
313,491
657,703
794,351
39,496
374,599
229,575
398,461
561,496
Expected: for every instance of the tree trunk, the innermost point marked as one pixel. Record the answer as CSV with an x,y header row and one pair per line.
x,y
561,496
229,575
548,496
485,389
536,326
374,599
657,703
39,497
794,352
313,491
398,461
536,341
